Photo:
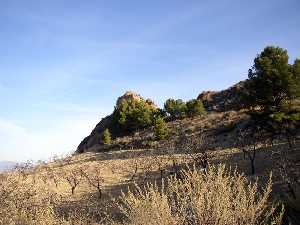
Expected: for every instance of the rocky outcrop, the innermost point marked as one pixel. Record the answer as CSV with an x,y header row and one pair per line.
x,y
130,95
94,140
221,101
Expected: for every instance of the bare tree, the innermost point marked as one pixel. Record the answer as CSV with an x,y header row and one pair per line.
x,y
135,165
73,178
249,138
24,169
52,173
93,175
195,148
160,162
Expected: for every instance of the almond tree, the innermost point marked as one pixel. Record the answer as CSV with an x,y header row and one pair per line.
x,y
249,139
53,174
73,178
93,175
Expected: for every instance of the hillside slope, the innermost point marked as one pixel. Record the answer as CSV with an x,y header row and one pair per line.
x,y
216,103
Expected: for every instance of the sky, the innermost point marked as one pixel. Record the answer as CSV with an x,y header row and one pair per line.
x,y
63,63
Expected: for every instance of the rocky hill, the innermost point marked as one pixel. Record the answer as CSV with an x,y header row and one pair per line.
x,y
214,102
222,101
94,139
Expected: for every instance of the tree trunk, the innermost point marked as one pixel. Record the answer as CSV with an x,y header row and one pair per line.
x,y
161,173
252,166
135,172
73,190
99,191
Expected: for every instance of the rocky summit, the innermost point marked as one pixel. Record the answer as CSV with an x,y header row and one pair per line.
x,y
130,95
93,141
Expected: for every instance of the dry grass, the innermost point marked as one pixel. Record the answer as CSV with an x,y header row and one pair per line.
x,y
217,197
23,202
43,195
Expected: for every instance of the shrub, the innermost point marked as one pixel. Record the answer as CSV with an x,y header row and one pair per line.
x,y
132,115
25,201
217,197
194,107
21,202
106,137
175,108
160,129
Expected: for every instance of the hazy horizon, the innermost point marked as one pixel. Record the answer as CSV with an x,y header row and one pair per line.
x,y
64,63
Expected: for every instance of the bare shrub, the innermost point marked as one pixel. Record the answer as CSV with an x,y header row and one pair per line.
x,y
21,202
217,197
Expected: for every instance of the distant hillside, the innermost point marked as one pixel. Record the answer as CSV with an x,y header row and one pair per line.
x,y
6,165
213,101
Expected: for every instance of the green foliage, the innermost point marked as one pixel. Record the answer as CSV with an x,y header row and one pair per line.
x,y
106,137
272,91
194,107
272,80
160,113
175,108
296,77
178,109
132,115
285,120
160,128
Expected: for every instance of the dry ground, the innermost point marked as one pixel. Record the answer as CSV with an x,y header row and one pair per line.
x,y
121,169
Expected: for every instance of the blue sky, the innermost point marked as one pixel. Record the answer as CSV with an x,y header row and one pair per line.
x,y
64,63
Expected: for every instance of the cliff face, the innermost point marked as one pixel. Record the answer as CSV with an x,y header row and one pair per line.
x,y
95,138
222,101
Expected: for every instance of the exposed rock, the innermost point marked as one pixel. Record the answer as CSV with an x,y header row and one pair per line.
x,y
222,101
130,95
151,102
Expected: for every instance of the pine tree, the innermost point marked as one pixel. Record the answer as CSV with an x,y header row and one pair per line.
x,y
272,80
175,108
194,108
106,137
160,129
